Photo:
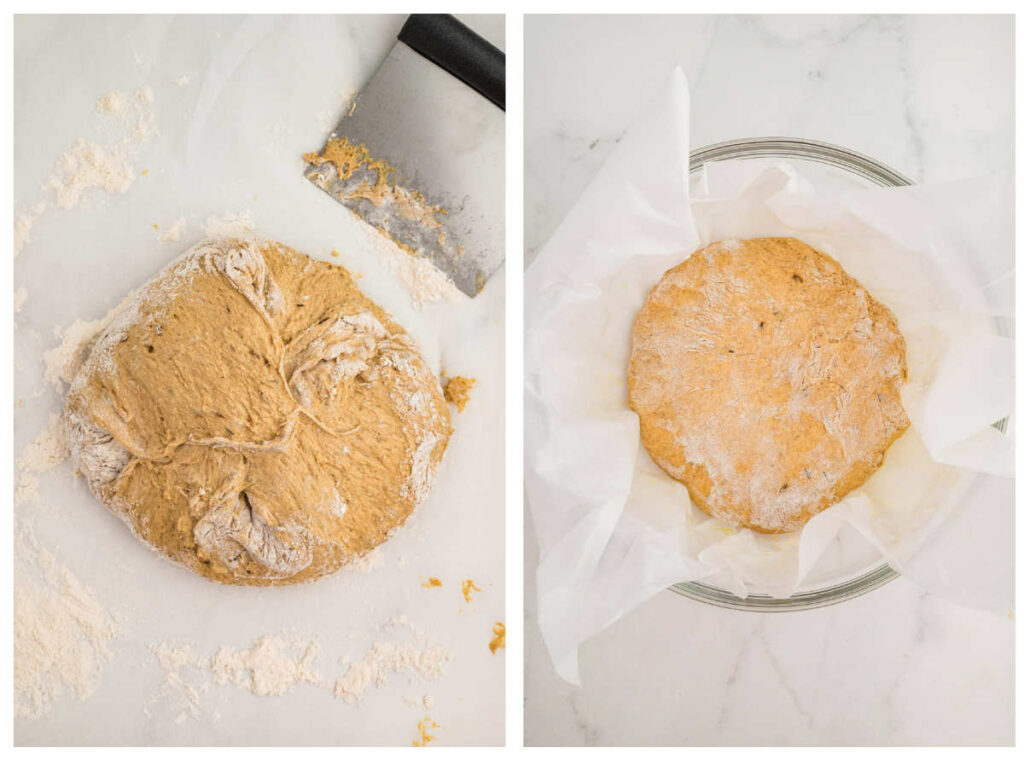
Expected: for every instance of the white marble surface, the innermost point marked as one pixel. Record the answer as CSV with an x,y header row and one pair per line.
x,y
236,101
933,98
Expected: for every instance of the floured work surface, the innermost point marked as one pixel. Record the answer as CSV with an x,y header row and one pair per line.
x,y
163,656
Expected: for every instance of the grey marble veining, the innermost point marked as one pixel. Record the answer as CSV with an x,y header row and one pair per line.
x,y
930,96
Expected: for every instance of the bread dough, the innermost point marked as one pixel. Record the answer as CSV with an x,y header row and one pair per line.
x,y
253,416
456,390
766,380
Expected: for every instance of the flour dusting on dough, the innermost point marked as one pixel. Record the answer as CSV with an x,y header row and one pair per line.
x,y
62,363
766,345
311,493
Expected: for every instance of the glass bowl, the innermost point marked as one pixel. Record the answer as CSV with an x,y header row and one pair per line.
x,y
827,165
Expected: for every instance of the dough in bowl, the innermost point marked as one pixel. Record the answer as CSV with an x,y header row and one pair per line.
x,y
767,380
250,414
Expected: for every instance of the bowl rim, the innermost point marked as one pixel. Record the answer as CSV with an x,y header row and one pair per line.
x,y
797,147
879,174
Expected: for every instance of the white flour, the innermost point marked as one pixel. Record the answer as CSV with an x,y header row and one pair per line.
x,y
173,232
87,166
229,225
384,658
20,296
23,222
269,668
63,361
111,104
424,281
426,702
180,688
48,450
61,632
421,476
274,664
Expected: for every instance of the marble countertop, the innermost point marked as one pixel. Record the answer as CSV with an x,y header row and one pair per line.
x,y
933,98
236,101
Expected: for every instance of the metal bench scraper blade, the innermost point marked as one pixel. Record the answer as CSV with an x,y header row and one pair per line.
x,y
420,155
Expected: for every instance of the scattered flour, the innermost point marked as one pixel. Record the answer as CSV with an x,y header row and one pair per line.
x,y
229,225
111,104
61,632
182,81
23,222
86,166
181,687
63,362
44,453
384,658
275,664
426,702
424,281
173,232
22,231
266,668
144,128
90,166
20,296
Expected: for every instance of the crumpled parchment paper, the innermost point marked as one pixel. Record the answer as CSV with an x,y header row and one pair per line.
x,y
613,529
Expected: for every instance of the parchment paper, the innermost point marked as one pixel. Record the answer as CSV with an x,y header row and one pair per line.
x,y
613,529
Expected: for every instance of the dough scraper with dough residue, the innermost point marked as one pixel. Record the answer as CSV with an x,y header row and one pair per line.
x,y
420,155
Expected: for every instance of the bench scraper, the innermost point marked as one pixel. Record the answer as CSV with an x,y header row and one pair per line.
x,y
420,154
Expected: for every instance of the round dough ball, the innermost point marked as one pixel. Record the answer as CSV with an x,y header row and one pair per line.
x,y
766,380
250,414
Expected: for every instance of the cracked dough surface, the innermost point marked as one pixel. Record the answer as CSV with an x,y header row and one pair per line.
x,y
766,380
253,416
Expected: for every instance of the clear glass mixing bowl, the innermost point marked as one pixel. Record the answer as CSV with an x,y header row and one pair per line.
x,y
828,166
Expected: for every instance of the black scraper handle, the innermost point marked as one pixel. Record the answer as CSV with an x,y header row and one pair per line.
x,y
459,50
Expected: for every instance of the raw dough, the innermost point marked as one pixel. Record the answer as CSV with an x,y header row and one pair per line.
x,y
767,381
456,390
252,415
